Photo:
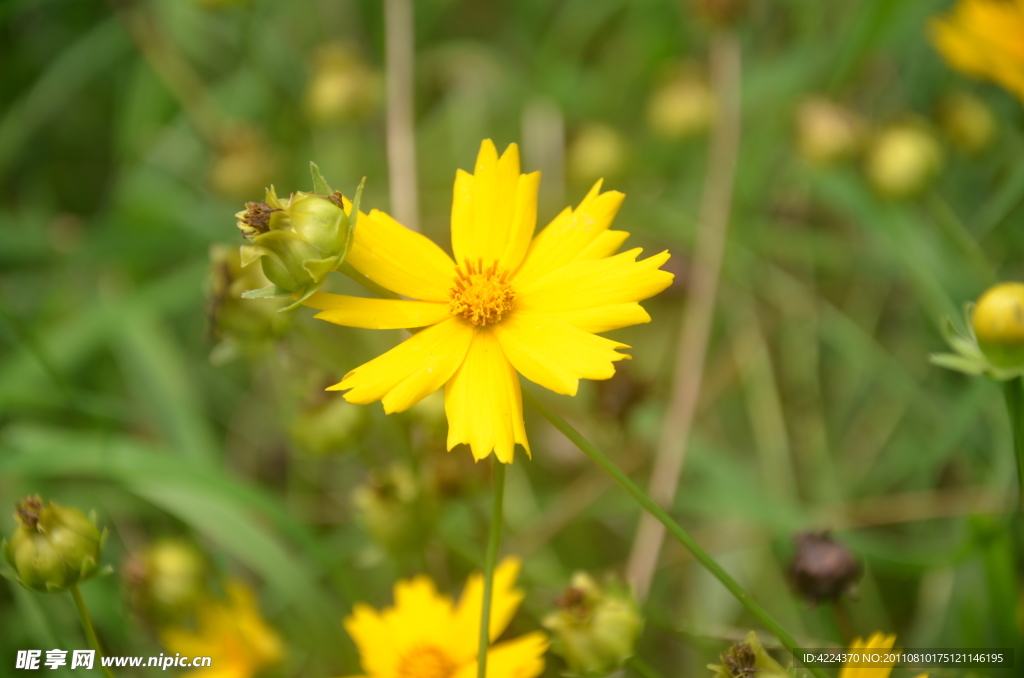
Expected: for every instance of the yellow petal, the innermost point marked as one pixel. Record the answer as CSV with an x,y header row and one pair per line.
x,y
376,314
412,370
569,234
505,600
483,402
604,245
590,284
551,352
494,210
605,318
519,658
372,636
401,260
421,615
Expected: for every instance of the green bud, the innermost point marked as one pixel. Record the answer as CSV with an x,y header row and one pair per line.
x,y
998,322
596,628
967,121
319,221
748,659
166,580
298,242
902,160
53,547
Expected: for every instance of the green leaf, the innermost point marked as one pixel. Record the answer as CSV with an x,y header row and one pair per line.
x,y
958,363
268,292
298,302
320,185
319,268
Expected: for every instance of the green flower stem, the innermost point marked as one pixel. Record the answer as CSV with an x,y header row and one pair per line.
x,y
489,559
90,632
1014,392
672,526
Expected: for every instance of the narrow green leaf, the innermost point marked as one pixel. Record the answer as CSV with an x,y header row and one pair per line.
x,y
320,185
268,292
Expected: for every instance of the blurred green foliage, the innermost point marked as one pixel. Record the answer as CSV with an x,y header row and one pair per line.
x,y
130,132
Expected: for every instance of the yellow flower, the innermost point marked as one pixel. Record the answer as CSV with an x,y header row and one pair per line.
x,y
427,635
232,633
877,641
985,39
508,302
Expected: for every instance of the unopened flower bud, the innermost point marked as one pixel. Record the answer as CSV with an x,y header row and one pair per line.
x,y
596,628
966,121
387,507
998,322
902,160
166,580
748,659
598,151
826,132
54,547
343,87
299,241
822,569
682,107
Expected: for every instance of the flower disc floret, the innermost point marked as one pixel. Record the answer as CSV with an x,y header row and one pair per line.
x,y
426,662
481,295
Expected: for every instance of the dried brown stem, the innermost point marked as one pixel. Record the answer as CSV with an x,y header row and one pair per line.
x,y
401,131
715,209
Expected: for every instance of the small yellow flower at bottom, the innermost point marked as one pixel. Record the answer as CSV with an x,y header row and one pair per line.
x,y
877,641
427,635
232,633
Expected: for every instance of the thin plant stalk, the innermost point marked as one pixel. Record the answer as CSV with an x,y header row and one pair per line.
x,y
401,131
90,631
698,316
672,526
493,540
1014,392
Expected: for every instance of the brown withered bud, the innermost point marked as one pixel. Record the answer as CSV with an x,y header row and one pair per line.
x,y
822,568
27,510
720,12
574,600
256,218
338,199
740,661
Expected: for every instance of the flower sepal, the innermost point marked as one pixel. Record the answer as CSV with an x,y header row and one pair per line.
x,y
969,358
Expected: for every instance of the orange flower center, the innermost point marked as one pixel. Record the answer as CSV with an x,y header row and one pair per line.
x,y
481,295
426,662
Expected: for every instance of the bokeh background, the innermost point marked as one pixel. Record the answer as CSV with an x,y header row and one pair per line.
x,y
134,381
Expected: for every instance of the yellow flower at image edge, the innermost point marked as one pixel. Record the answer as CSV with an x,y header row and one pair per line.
x,y
427,635
509,302
877,641
232,633
985,39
